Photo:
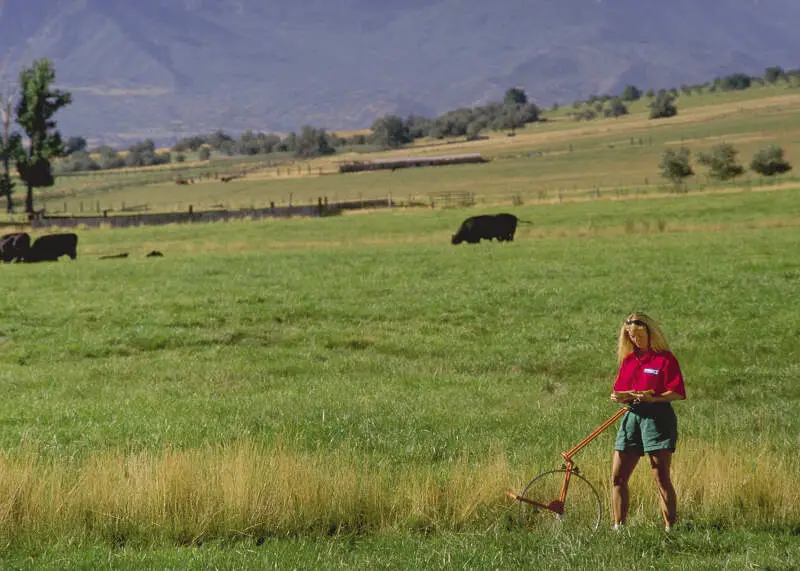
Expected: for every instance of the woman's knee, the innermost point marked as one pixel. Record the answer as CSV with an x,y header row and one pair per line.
x,y
619,480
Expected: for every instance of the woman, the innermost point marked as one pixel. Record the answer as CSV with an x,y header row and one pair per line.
x,y
649,379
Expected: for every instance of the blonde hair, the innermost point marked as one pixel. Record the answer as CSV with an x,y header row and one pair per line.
x,y
658,342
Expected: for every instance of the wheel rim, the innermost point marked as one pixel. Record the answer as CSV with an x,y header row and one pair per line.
x,y
582,508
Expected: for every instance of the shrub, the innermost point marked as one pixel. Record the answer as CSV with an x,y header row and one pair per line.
x,y
675,165
663,106
721,162
769,161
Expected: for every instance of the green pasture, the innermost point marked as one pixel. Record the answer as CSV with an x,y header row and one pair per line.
x,y
403,383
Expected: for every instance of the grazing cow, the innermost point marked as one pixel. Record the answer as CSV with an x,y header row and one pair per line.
x,y
14,247
51,247
486,227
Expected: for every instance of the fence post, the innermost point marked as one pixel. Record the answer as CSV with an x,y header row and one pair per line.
x,y
389,199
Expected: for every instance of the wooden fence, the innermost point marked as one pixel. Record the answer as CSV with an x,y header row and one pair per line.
x,y
322,208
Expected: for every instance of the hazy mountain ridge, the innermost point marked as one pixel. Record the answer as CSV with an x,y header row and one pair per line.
x,y
163,67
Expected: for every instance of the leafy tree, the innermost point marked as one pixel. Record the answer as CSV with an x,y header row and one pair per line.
x,y
77,161
10,145
631,93
109,158
217,139
774,73
587,114
74,144
38,103
390,131
650,94
736,81
313,143
515,96
509,120
288,143
616,109
417,126
144,154
204,153
675,165
663,106
769,161
721,162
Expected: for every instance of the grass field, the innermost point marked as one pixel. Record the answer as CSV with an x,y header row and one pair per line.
x,y
358,377
354,391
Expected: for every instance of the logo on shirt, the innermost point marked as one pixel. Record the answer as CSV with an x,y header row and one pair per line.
x,y
651,371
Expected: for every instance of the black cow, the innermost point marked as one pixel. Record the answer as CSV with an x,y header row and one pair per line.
x,y
14,247
51,247
486,227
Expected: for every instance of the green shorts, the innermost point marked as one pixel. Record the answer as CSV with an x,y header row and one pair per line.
x,y
647,428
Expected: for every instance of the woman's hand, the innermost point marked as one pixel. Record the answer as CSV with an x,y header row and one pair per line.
x,y
644,396
621,398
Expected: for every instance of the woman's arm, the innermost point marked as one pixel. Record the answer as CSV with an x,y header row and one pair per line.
x,y
666,396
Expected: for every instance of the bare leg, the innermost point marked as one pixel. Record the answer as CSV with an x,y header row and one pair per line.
x,y
660,462
622,467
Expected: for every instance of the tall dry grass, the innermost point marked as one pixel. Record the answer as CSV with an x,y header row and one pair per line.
x,y
248,490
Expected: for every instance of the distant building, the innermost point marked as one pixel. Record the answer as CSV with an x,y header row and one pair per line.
x,y
406,162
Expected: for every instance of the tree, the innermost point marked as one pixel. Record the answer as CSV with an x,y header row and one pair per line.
x,y
144,154
721,162
675,165
515,96
38,103
74,145
109,158
204,153
390,131
774,73
631,93
10,145
616,109
77,161
313,143
769,161
663,106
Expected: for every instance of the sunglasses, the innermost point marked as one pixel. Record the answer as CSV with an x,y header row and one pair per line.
x,y
638,322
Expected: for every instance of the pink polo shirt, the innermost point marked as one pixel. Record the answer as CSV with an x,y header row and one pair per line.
x,y
656,371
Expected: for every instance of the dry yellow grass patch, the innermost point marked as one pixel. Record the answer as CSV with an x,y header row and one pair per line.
x,y
248,489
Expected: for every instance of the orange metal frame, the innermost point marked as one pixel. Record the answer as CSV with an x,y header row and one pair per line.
x,y
557,506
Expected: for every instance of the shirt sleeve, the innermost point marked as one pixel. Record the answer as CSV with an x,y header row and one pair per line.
x,y
673,380
622,382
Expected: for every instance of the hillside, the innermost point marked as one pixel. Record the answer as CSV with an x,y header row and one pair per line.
x,y
159,68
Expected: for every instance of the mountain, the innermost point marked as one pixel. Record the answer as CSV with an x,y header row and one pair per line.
x,y
166,68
